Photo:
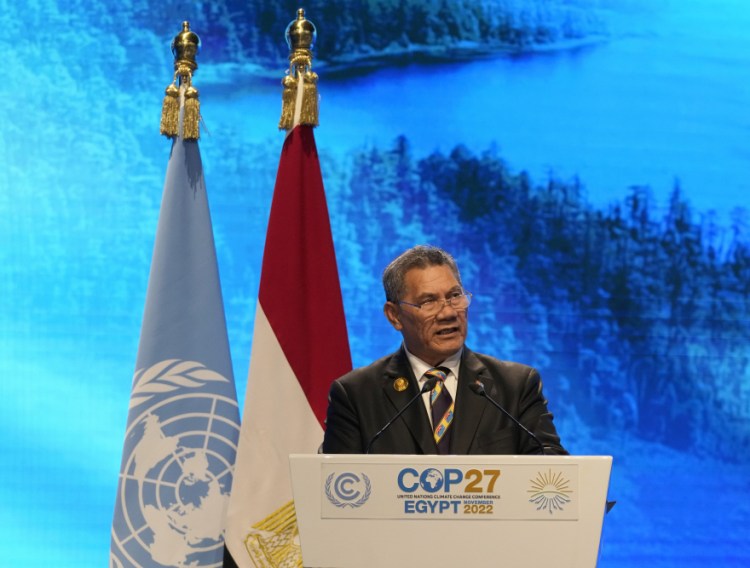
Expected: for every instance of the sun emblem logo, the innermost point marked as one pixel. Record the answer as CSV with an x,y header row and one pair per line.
x,y
550,491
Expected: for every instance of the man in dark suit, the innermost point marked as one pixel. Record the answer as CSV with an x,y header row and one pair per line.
x,y
426,302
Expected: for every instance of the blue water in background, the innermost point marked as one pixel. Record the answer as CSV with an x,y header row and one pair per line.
x,y
644,108
667,96
667,99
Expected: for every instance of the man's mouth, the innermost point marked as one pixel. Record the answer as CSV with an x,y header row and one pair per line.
x,y
447,331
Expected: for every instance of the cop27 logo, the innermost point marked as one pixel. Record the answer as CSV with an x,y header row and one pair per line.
x,y
434,480
348,489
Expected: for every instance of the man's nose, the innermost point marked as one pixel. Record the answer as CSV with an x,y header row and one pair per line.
x,y
446,310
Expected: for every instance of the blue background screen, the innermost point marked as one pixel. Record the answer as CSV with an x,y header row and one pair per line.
x,y
586,161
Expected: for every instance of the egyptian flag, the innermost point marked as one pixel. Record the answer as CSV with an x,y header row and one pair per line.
x,y
299,347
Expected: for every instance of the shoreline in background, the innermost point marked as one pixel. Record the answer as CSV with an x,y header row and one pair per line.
x,y
226,73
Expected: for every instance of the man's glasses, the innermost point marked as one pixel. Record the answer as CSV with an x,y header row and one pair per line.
x,y
457,301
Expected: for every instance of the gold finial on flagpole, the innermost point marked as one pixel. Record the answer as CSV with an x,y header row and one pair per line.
x,y
300,96
185,47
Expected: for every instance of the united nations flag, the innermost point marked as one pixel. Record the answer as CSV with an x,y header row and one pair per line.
x,y
183,424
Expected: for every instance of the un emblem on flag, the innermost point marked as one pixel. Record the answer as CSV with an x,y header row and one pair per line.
x,y
176,471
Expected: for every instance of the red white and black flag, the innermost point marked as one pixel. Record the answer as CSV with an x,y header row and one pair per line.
x,y
300,345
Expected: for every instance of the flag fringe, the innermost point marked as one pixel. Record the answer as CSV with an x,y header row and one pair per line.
x,y
308,106
170,112
191,115
288,97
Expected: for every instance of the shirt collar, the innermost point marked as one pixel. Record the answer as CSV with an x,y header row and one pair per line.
x,y
420,367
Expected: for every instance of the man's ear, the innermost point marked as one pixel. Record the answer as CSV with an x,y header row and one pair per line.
x,y
391,312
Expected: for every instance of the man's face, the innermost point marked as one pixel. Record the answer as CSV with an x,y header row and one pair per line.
x,y
431,338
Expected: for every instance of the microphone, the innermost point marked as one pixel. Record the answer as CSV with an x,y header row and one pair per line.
x,y
478,388
427,386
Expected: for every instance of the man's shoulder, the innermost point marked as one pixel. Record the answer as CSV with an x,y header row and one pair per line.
x,y
495,365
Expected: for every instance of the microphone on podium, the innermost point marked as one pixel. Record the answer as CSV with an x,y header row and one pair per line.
x,y
477,388
427,386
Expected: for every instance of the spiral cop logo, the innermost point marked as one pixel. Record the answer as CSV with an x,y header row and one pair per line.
x,y
348,489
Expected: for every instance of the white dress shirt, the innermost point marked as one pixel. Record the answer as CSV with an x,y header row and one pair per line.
x,y
451,382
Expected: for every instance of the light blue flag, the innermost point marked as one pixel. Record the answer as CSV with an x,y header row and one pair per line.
x,y
183,424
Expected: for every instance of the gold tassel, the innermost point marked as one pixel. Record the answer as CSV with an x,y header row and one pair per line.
x,y
192,115
300,35
170,112
288,98
309,112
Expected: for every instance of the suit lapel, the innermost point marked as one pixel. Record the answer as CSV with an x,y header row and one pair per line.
x,y
415,417
469,407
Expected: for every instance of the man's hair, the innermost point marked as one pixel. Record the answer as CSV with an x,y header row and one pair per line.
x,y
420,256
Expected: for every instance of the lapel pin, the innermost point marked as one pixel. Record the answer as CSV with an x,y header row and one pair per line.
x,y
400,384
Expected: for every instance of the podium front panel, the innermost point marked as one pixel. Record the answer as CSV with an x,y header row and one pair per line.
x,y
356,511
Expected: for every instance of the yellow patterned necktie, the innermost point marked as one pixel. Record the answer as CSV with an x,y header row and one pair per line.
x,y
441,404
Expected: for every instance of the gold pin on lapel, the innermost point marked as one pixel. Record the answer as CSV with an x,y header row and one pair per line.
x,y
400,384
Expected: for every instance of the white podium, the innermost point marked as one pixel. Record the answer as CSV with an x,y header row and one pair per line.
x,y
376,511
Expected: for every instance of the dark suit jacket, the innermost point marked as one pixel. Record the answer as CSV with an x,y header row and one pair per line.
x,y
364,400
